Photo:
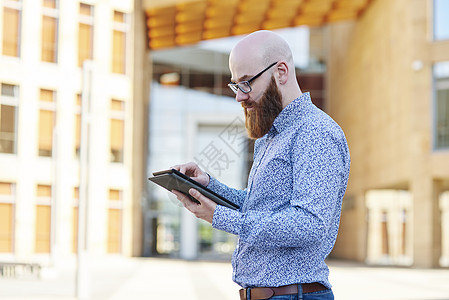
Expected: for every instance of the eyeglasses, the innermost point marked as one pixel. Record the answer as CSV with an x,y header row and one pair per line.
x,y
245,86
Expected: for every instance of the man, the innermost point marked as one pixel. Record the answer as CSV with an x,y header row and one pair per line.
x,y
290,211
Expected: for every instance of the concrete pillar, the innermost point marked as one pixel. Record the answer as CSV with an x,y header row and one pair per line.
x,y
437,222
141,78
444,207
189,235
426,237
394,224
374,243
421,184
405,199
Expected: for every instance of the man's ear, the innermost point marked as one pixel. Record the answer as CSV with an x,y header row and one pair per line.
x,y
282,70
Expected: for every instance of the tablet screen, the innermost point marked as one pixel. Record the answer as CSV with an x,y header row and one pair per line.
x,y
175,180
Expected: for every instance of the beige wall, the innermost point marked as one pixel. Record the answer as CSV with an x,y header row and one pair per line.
x,y
384,105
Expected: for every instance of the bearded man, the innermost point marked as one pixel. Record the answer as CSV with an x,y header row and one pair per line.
x,y
289,213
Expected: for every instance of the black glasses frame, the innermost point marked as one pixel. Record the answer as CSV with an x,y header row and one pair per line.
x,y
246,84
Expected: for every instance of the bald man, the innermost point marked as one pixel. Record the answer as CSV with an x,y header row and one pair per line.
x,y
289,213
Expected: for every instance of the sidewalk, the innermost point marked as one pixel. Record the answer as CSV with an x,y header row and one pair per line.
x,y
119,278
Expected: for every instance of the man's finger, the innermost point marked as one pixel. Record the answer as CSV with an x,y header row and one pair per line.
x,y
195,194
185,200
175,167
200,197
181,197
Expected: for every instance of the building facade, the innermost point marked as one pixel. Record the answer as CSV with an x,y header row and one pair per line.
x,y
387,73
387,85
45,45
388,88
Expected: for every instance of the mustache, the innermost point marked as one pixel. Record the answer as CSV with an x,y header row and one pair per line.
x,y
248,104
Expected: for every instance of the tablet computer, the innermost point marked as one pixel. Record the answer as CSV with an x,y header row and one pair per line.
x,y
175,180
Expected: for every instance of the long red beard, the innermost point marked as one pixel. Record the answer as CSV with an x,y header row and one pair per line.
x,y
259,120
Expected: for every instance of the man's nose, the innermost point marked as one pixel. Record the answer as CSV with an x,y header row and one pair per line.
x,y
241,96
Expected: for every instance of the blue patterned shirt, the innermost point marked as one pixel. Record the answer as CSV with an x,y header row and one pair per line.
x,y
290,211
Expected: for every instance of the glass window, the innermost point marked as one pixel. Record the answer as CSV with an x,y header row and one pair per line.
x,y
43,219
11,27
117,130
8,118
76,196
50,31
441,131
119,43
85,33
115,221
441,19
47,119
78,125
7,199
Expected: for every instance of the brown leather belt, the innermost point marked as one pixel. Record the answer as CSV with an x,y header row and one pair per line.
x,y
259,293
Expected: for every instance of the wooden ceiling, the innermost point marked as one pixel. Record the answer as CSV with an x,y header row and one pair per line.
x,y
180,22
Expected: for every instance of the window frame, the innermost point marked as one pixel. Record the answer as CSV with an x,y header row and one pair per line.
x,y
43,201
12,101
119,115
52,107
88,20
436,86
435,12
51,13
120,27
10,199
77,125
16,5
115,205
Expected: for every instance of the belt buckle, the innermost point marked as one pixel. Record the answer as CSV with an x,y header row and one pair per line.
x,y
242,293
257,293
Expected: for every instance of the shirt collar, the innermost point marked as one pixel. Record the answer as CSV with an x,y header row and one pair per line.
x,y
289,114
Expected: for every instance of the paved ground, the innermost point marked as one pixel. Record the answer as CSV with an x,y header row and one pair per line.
x,y
118,278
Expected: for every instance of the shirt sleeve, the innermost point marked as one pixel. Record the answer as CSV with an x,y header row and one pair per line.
x,y
234,195
320,172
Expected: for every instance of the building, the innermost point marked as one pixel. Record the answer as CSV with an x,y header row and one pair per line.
x,y
44,47
387,74
387,86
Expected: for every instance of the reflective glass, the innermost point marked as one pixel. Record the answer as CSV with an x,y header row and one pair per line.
x,y
441,19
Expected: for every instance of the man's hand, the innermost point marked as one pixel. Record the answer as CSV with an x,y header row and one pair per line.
x,y
205,210
192,170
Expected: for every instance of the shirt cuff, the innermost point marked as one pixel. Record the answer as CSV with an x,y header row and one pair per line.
x,y
227,219
213,183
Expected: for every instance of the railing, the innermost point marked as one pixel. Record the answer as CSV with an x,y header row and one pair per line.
x,y
14,269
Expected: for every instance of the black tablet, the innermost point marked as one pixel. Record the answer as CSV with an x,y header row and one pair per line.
x,y
175,180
